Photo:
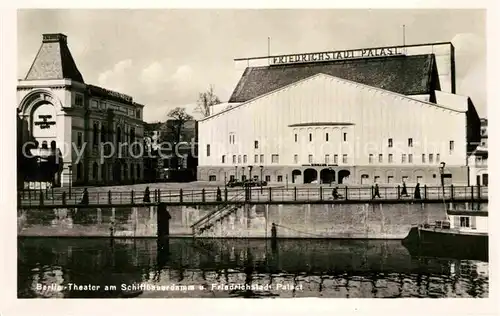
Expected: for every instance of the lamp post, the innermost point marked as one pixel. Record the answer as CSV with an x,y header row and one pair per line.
x,y
70,178
441,173
225,180
261,169
235,172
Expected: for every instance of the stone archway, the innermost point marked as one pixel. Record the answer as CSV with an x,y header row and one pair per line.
x,y
310,175
296,176
342,175
327,175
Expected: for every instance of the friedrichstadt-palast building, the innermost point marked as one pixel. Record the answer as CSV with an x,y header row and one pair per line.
x,y
384,115
63,115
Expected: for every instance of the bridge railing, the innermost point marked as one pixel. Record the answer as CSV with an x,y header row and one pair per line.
x,y
264,194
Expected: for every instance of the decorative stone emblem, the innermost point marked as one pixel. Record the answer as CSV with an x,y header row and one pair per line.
x,y
45,123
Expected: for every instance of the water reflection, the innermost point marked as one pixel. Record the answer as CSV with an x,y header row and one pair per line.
x,y
185,267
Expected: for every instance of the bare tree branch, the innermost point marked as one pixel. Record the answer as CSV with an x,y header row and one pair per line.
x,y
206,100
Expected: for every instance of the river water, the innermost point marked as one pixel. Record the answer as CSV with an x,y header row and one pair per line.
x,y
184,267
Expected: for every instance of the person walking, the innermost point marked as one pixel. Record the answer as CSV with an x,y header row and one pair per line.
x,y
85,197
147,197
376,192
219,195
417,192
404,192
335,193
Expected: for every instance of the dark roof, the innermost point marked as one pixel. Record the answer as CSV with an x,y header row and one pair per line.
x,y
54,60
408,75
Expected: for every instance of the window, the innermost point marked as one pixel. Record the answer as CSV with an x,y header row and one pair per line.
x,y
370,158
403,158
452,146
376,179
295,158
256,158
423,158
344,158
419,179
279,178
244,158
431,158
464,221
239,158
390,179
230,139
364,179
256,144
335,159
310,159
410,158
390,158
138,113
268,178
234,158
438,157
390,142
380,158
208,150
410,142
326,136
212,178
79,137
327,159
404,179
274,158
223,158
261,158
310,137
295,137
78,100
95,104
345,137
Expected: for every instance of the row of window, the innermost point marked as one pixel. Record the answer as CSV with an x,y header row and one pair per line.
x,y
102,105
267,178
135,171
403,158
344,137
327,138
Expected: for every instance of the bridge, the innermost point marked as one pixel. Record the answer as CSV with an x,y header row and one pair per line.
x,y
50,198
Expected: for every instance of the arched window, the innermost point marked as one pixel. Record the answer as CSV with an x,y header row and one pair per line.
x,y
364,179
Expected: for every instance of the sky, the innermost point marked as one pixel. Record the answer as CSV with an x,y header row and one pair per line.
x,y
165,58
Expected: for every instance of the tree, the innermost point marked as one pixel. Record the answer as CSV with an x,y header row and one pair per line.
x,y
206,100
174,128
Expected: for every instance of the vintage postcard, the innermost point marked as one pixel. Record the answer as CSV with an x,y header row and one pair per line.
x,y
209,153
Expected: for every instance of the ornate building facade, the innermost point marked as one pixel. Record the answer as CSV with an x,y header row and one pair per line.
x,y
96,134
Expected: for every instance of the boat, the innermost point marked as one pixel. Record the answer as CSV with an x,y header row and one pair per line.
x,y
462,235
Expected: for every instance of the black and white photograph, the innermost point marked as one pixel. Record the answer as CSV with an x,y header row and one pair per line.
x,y
251,153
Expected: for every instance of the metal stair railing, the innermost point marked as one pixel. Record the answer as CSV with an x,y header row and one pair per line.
x,y
211,217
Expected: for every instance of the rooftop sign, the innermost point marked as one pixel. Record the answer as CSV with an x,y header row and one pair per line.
x,y
336,55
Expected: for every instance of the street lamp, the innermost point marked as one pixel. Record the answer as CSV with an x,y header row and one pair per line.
x,y
225,180
70,178
441,172
261,169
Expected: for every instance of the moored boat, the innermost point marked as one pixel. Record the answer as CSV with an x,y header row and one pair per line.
x,y
463,235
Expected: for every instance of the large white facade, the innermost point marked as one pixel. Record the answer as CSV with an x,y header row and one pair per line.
x,y
377,135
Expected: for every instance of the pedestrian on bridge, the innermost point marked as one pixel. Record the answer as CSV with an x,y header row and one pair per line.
x,y
404,192
219,195
376,191
85,197
417,192
147,198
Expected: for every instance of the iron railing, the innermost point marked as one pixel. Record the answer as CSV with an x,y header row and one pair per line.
x,y
255,194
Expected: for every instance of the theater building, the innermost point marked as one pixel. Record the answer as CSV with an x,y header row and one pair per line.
x,y
78,122
380,115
